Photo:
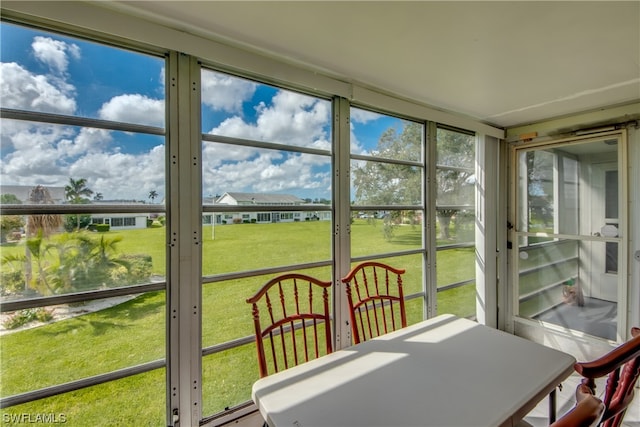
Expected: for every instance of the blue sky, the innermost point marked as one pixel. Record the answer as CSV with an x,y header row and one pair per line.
x,y
48,72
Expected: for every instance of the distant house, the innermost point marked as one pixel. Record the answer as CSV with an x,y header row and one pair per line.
x,y
116,221
123,221
267,216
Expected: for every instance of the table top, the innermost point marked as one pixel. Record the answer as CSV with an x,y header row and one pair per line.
x,y
445,371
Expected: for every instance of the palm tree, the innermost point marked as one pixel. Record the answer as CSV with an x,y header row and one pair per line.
x,y
39,225
98,197
152,195
77,192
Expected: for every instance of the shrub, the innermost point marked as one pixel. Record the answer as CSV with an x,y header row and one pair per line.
x,y
22,317
140,267
149,222
11,282
43,315
102,228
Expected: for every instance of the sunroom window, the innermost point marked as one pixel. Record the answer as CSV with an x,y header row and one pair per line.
x,y
387,202
455,226
266,157
83,256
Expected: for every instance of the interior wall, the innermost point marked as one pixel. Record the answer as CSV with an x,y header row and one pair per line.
x,y
584,348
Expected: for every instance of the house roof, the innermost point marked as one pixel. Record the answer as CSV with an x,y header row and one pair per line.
x,y
261,198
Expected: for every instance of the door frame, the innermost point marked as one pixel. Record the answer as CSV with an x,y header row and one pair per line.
x,y
544,332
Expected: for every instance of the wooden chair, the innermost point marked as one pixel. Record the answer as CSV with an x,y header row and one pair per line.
x,y
621,366
586,413
376,300
295,324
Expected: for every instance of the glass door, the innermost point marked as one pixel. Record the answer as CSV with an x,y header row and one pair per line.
x,y
570,258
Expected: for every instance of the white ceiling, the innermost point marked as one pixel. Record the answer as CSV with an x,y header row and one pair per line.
x,y
504,63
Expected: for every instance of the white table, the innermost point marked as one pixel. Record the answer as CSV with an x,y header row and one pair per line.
x,y
445,371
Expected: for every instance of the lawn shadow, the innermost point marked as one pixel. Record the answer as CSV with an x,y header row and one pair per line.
x,y
408,239
120,316
68,326
147,304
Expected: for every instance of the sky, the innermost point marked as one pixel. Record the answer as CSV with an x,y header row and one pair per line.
x,y
48,72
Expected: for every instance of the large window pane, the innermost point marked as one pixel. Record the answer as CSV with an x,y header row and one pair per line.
x,y
52,345
266,204
387,171
84,128
54,73
137,400
455,227
455,183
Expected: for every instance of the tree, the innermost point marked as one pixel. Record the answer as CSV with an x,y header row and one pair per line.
x,y
77,192
380,183
9,199
385,183
46,223
152,195
98,197
455,176
9,223
39,225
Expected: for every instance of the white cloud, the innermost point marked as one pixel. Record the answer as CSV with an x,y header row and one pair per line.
x,y
33,153
363,116
50,154
134,108
121,175
292,119
296,174
225,93
86,141
20,89
54,53
36,153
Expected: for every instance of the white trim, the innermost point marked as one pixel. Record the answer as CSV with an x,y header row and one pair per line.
x,y
487,159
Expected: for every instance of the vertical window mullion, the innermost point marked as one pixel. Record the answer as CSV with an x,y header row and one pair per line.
x,y
342,217
184,237
431,280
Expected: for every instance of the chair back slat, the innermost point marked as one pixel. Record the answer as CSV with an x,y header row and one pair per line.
x,y
376,300
621,366
298,329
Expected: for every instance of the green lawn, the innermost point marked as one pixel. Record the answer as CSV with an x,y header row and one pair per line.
x,y
134,332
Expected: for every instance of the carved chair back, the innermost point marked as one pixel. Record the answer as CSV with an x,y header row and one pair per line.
x,y
291,319
376,300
